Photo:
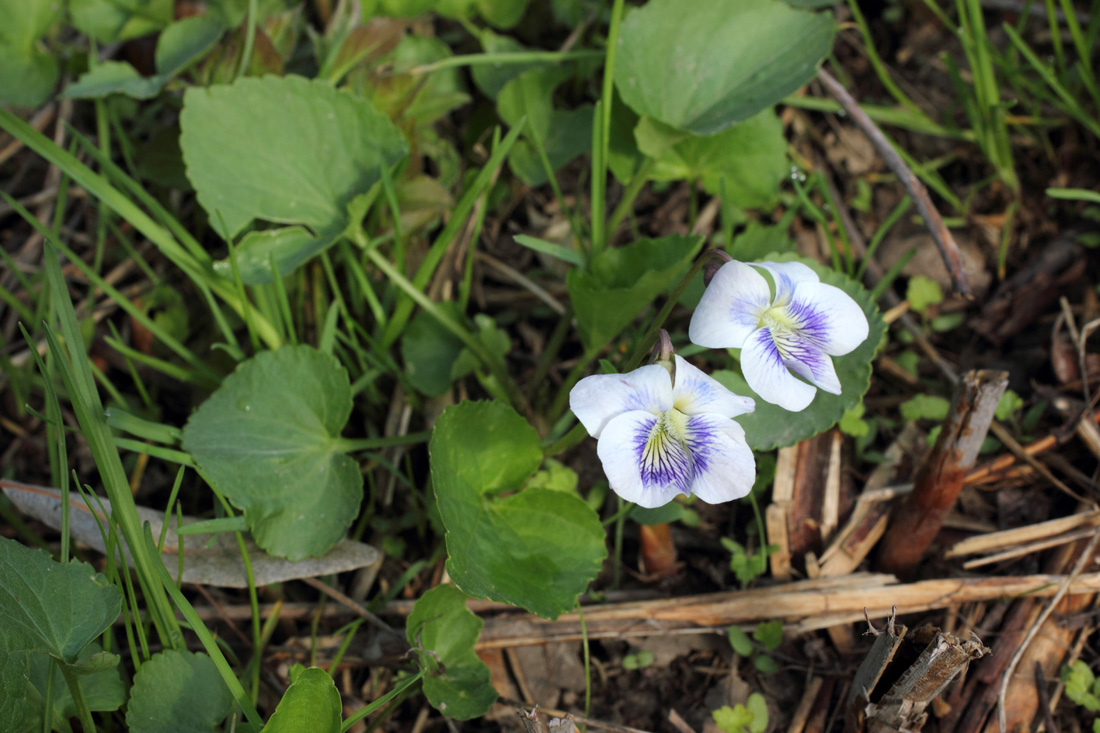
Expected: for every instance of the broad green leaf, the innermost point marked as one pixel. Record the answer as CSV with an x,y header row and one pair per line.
x,y
27,74
491,78
23,23
180,45
530,96
760,240
405,8
269,440
442,633
49,607
673,511
534,548
311,703
113,77
419,99
435,358
770,426
103,689
501,13
184,42
622,281
26,80
745,163
178,691
704,65
429,351
19,711
109,21
283,150
570,136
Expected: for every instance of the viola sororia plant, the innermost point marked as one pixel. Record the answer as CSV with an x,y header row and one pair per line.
x,y
320,240
666,430
787,330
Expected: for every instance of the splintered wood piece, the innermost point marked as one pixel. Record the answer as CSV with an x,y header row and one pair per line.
x,y
805,604
994,541
871,670
917,519
807,499
917,667
868,520
805,706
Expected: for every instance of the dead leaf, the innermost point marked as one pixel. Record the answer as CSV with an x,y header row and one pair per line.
x,y
208,559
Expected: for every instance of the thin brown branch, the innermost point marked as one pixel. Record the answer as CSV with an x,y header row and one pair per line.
x,y
949,250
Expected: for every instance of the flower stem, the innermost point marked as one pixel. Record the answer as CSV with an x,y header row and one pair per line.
x,y
651,335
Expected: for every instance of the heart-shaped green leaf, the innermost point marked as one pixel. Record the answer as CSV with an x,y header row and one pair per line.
x,y
49,607
269,439
110,20
27,73
442,633
744,164
706,64
102,689
770,426
311,703
181,44
621,281
180,691
284,150
535,548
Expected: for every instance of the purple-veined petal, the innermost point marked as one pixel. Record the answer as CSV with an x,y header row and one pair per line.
x,y
645,458
810,363
787,276
696,392
725,467
730,308
764,370
596,400
828,317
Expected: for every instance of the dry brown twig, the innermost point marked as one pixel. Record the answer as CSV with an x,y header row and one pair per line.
x,y
949,250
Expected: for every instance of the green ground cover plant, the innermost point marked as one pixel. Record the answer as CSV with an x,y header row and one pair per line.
x,y
273,307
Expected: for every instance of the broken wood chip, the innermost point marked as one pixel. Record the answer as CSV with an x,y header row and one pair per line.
x,y
902,674
533,724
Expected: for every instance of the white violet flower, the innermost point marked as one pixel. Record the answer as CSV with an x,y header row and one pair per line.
x,y
666,430
793,332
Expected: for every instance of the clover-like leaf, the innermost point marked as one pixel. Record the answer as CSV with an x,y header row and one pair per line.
x,y
536,548
771,426
49,607
178,691
283,150
621,281
269,439
442,633
311,703
704,65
